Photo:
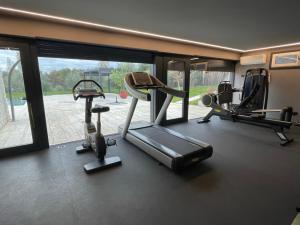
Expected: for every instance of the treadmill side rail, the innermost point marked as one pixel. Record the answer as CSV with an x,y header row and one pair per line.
x,y
187,138
163,158
164,149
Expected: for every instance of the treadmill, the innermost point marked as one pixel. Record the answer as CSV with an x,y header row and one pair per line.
x,y
170,148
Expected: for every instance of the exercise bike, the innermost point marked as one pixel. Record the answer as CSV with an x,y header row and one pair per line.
x,y
94,140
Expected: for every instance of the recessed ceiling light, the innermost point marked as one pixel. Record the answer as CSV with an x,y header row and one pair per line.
x,y
81,22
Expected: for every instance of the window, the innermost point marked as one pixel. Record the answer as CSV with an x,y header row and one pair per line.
x,y
65,117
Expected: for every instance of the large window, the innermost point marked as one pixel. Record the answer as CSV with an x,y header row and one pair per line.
x,y
65,117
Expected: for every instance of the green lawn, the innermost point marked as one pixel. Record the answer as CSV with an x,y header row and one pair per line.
x,y
19,95
16,95
194,102
47,93
198,90
194,91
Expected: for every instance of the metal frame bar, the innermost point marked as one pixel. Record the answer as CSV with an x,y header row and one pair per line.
x,y
163,109
129,116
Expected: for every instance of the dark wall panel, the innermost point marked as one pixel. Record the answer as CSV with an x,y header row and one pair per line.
x,y
80,51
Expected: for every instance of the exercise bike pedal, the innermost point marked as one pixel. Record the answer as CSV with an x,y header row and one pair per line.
x,y
99,165
83,149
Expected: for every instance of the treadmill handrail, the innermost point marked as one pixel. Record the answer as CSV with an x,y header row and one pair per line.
x,y
133,90
173,92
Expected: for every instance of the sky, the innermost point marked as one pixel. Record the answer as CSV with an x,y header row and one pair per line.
x,y
49,64
8,57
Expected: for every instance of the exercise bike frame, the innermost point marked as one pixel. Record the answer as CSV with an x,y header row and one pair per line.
x,y
94,139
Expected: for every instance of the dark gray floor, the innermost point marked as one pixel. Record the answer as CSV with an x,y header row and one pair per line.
x,y
249,180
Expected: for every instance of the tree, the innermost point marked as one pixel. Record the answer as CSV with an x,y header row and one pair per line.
x,y
103,64
71,79
118,74
117,78
141,67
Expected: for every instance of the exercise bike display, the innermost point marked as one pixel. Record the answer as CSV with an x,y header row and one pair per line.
x,y
252,109
94,140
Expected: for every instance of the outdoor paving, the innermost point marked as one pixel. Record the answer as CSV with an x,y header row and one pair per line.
x,y
17,132
65,118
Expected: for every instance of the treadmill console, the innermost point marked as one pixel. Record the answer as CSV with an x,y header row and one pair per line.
x,y
143,80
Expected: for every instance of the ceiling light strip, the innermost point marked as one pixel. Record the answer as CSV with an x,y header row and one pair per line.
x,y
273,47
136,32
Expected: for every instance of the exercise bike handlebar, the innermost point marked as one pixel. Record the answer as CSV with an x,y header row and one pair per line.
x,y
100,93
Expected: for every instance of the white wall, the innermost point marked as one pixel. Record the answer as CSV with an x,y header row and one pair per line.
x,y
284,88
4,114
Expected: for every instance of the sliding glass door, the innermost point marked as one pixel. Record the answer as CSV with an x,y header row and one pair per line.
x,y
176,75
18,106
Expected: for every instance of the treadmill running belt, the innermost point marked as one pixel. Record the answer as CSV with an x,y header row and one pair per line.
x,y
177,144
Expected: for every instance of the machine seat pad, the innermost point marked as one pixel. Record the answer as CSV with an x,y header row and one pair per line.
x,y
100,109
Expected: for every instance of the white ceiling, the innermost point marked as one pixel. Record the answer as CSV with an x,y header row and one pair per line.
x,y
232,23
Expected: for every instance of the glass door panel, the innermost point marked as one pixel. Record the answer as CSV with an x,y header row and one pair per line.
x,y
175,79
176,75
15,126
203,81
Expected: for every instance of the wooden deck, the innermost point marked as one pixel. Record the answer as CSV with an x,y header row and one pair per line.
x,y
65,119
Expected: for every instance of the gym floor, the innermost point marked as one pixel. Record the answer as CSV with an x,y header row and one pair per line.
x,y
250,179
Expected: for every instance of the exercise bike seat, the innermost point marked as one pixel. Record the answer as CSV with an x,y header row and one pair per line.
x,y
99,109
